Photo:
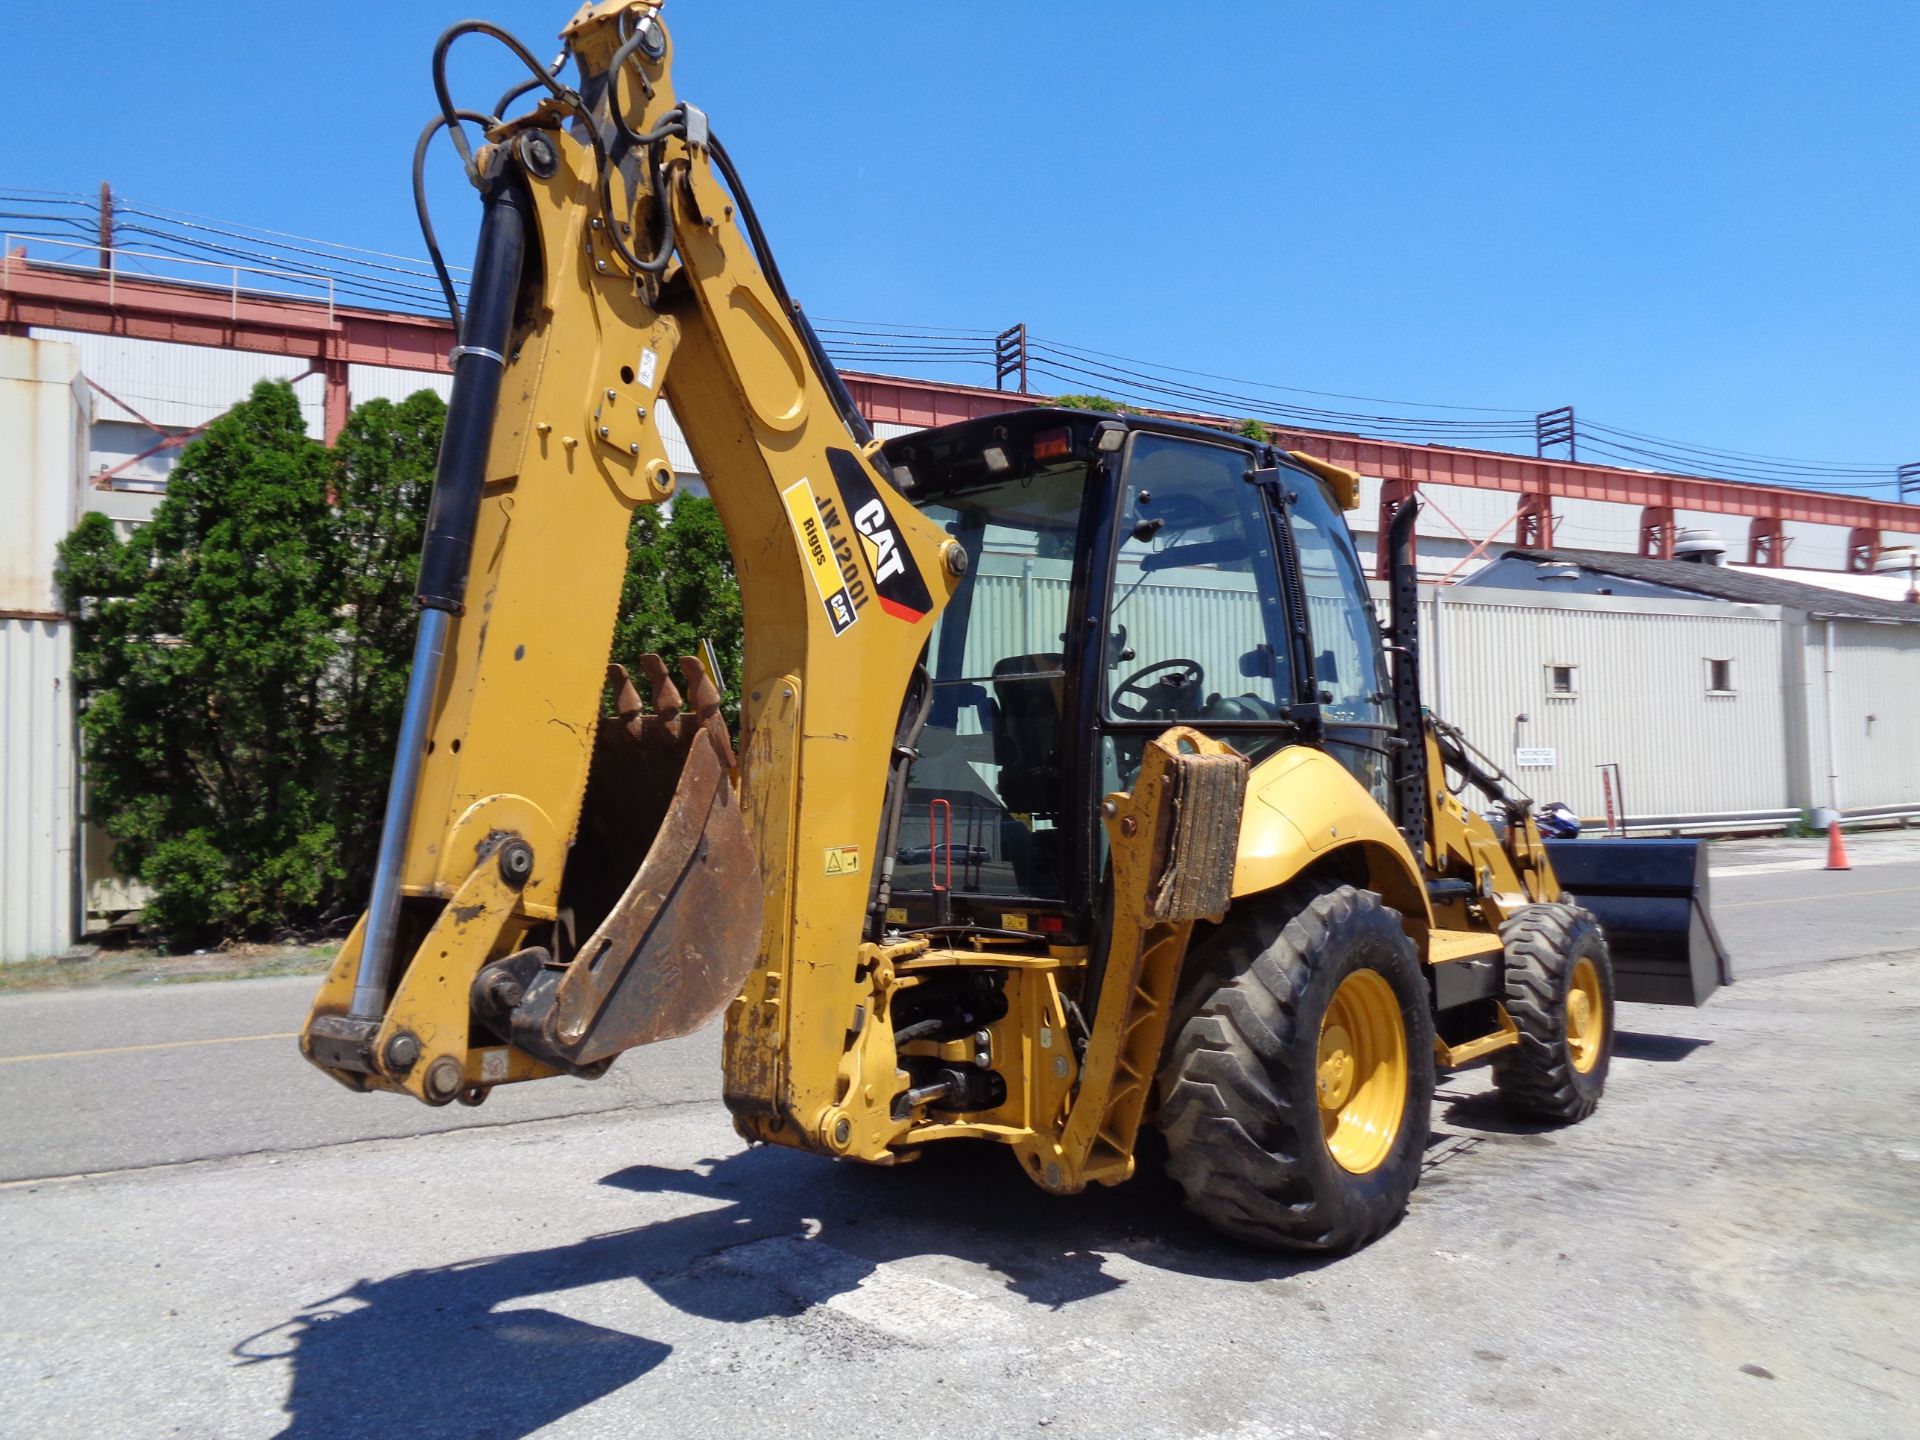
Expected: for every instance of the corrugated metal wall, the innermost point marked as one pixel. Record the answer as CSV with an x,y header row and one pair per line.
x,y
1876,711
37,821
43,444
1640,675
184,385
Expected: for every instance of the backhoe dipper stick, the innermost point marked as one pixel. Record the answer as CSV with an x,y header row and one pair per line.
x,y
459,477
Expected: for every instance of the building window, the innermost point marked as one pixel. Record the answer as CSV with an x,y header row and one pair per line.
x,y
1560,682
1720,677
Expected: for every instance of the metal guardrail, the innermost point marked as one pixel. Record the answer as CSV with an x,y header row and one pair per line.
x,y
11,262
1753,821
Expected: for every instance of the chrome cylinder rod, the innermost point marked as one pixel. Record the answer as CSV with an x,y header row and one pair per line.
x,y
454,513
383,910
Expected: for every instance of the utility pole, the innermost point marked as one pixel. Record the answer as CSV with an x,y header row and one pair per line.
x,y
1010,357
106,226
1555,427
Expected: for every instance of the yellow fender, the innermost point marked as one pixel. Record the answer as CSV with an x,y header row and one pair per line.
x,y
1304,806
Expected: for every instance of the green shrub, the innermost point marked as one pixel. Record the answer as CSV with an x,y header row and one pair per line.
x,y
239,662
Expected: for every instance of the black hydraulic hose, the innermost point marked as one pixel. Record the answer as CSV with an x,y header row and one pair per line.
x,y
675,123
478,364
849,412
850,415
1410,754
614,70
913,719
553,73
445,95
420,209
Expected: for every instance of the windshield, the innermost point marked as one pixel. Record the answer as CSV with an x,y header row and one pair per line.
x,y
990,776
1198,632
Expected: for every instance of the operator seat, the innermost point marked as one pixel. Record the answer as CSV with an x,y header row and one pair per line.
x,y
1028,691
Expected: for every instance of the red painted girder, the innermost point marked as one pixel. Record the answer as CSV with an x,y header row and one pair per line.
x,y
891,400
1490,470
189,315
923,404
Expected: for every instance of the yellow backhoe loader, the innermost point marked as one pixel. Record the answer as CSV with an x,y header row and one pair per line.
x,y
1073,791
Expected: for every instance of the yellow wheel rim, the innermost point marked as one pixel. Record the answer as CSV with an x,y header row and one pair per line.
x,y
1586,1020
1361,1071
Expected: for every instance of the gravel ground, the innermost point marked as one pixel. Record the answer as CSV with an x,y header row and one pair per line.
x,y
1727,1247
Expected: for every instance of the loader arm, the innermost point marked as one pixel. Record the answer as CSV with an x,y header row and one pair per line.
x,y
556,884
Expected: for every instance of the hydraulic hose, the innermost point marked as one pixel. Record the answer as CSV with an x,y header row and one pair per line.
x,y
424,216
1409,763
850,415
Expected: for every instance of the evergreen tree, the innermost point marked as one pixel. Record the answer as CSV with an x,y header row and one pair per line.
x,y
383,479
680,588
203,649
242,659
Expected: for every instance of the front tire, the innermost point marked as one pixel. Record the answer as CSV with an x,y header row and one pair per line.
x,y
1559,991
1297,1088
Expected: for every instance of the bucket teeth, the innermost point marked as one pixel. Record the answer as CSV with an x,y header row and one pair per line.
x,y
666,698
661,889
626,699
669,723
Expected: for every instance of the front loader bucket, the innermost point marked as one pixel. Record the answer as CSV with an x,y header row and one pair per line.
x,y
671,946
1650,897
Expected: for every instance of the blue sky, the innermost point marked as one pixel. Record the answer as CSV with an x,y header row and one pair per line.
x,y
1698,221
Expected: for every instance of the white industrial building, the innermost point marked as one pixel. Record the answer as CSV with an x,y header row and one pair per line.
x,y
1822,700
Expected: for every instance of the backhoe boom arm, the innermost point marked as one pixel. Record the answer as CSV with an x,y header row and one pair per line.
x,y
554,883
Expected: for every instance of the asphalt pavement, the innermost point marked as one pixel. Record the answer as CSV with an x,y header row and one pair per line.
x,y
209,1238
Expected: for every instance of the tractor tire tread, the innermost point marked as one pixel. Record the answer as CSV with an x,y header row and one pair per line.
x,y
1229,1102
1537,1077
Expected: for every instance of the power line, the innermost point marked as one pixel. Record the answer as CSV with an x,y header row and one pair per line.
x,y
406,283
1294,389
1839,466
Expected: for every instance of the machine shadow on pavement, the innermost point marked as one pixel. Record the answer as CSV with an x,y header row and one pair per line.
x,y
1639,1045
451,1351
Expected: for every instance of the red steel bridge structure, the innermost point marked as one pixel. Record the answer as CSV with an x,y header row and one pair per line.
x,y
330,338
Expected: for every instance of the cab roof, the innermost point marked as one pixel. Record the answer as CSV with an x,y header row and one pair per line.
x,y
951,456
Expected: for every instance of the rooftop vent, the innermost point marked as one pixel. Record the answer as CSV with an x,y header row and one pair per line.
x,y
1702,547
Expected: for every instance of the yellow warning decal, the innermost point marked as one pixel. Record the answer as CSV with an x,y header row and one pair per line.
x,y
803,510
896,914
843,859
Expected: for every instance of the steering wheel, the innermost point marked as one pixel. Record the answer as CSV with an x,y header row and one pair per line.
x,y
1162,699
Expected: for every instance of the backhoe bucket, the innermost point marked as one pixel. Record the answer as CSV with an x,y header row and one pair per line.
x,y
671,946
1650,897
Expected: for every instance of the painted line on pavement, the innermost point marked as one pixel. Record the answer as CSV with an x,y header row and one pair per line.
x,y
1803,899
1812,862
157,1045
625,1108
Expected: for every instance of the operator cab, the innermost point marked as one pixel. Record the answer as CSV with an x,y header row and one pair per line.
x,y
1124,574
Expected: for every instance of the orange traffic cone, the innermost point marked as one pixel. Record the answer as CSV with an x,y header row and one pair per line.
x,y
1836,847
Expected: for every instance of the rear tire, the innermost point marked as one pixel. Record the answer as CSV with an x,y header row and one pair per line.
x,y
1559,991
1297,1088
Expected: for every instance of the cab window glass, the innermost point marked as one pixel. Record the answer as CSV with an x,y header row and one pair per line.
x,y
1194,629
1346,645
984,798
